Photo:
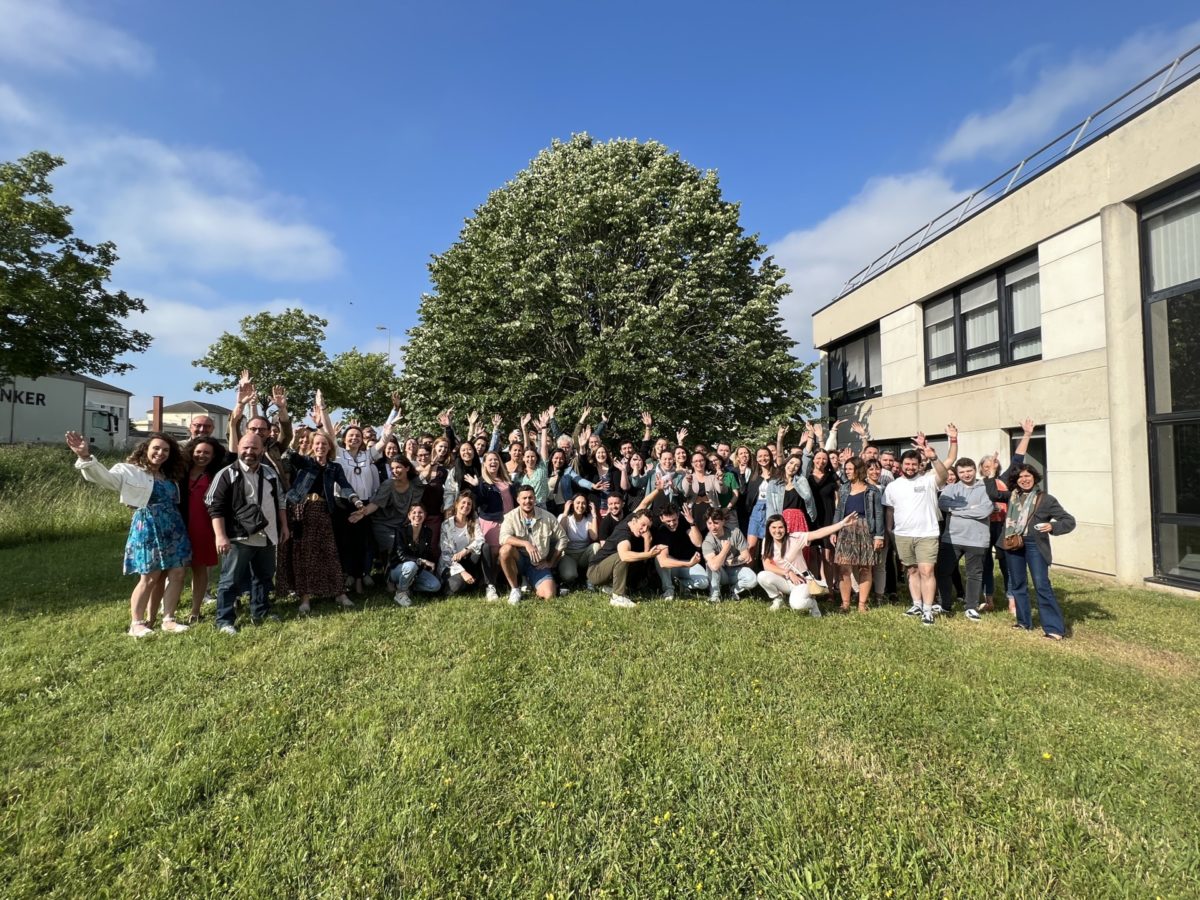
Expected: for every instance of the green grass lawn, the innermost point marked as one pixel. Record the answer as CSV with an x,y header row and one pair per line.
x,y
568,749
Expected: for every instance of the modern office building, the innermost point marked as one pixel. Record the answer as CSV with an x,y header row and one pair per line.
x,y
1067,290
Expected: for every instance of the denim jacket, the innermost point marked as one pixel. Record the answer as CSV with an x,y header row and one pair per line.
x,y
307,470
876,523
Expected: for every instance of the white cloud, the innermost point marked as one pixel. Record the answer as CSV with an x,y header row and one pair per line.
x,y
1077,86
175,210
818,260
13,107
49,35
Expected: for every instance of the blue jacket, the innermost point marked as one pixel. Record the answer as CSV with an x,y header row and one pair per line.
x,y
876,523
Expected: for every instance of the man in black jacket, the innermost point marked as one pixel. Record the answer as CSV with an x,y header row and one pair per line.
x,y
246,503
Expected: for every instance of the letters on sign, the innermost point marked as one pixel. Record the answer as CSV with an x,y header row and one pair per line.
x,y
25,398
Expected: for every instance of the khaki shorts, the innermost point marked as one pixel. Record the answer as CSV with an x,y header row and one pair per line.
x,y
916,551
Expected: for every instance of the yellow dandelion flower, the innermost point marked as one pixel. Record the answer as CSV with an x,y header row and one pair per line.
x,y
1047,756
667,816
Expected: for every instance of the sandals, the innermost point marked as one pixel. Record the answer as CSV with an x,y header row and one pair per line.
x,y
170,626
1052,637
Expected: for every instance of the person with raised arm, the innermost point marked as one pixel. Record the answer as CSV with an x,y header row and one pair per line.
x,y
1033,516
309,563
911,506
157,549
784,569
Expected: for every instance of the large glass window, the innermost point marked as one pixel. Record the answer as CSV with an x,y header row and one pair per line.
x,y
855,369
1171,249
987,323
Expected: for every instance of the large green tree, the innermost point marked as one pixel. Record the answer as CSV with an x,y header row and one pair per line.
x,y
56,312
611,274
277,348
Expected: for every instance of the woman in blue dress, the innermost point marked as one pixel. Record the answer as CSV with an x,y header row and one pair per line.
x,y
158,546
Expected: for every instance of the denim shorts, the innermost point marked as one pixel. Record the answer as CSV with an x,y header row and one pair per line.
x,y
529,572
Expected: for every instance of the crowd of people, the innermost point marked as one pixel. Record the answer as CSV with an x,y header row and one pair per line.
x,y
318,510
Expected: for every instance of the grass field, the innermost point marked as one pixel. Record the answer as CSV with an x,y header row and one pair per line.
x,y
42,496
568,749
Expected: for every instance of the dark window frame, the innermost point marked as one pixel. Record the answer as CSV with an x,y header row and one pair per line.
x,y
1005,341
1155,421
836,354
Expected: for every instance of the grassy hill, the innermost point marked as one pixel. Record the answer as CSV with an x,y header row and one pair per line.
x,y
568,749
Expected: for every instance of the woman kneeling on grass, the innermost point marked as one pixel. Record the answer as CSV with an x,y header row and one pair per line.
x,y
783,562
158,546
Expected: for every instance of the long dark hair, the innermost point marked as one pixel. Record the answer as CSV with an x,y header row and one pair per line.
x,y
174,469
218,458
768,545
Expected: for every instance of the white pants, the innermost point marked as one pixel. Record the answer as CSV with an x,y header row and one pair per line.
x,y
776,586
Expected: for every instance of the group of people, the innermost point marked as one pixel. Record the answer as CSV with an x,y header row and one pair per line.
x,y
322,511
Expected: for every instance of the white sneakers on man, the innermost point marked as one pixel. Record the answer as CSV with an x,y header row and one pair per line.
x,y
514,596
402,598
623,602
491,595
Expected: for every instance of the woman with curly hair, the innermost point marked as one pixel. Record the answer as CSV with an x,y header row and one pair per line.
x,y
158,547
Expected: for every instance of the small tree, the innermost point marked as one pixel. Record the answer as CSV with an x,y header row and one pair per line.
x,y
278,348
56,313
361,384
610,274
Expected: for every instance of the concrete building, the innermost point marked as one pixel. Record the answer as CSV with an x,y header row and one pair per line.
x,y
1068,292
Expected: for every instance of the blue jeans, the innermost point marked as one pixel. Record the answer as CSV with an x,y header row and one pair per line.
x,y
241,568
1029,557
411,575
694,577
740,578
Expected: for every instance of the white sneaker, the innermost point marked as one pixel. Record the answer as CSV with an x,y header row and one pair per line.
x,y
714,596
227,629
491,594
735,594
524,585
668,595
623,602
777,604
563,591
344,602
402,598
170,626
937,609
514,596
605,589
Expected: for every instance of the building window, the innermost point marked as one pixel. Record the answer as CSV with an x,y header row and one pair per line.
x,y
1171,284
984,324
1035,455
855,369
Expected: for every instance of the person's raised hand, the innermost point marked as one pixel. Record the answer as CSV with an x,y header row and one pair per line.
x,y
497,420
78,444
952,432
1027,426
647,419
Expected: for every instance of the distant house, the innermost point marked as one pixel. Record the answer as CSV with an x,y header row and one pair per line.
x,y
178,416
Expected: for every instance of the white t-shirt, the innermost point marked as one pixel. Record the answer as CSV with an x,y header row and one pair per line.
x,y
914,503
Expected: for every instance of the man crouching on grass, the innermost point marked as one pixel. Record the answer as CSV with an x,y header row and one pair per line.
x,y
531,543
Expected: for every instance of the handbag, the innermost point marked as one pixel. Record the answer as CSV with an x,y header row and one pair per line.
x,y
1017,541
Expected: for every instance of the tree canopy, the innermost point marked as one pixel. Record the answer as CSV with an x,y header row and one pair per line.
x,y
611,274
56,313
287,348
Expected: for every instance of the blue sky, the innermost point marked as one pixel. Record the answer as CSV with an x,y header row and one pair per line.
x,y
247,156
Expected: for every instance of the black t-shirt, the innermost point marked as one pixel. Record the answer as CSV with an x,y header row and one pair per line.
x,y
606,526
620,533
679,545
